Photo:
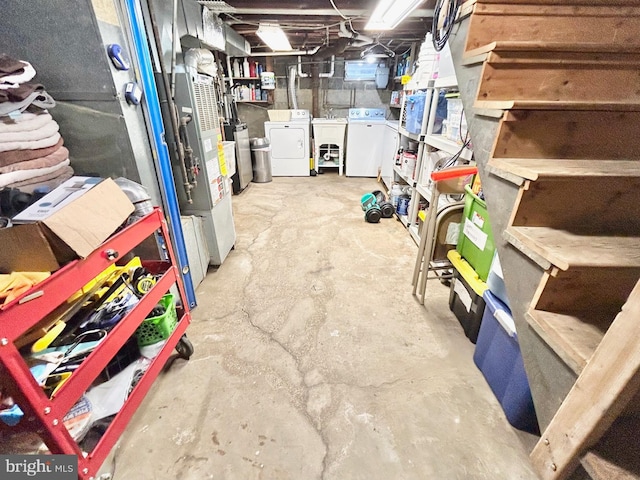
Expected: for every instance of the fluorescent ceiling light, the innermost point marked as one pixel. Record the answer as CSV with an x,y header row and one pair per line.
x,y
389,13
274,37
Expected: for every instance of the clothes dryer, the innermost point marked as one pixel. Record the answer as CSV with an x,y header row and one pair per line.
x,y
290,142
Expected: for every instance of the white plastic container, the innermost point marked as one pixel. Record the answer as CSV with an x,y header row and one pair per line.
x,y
394,194
409,164
495,280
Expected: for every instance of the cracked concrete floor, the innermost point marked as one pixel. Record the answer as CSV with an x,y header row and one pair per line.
x,y
314,361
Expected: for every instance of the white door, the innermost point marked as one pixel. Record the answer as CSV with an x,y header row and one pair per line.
x,y
364,149
289,149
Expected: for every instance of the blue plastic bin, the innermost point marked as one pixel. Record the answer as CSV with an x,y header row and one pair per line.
x,y
415,111
498,357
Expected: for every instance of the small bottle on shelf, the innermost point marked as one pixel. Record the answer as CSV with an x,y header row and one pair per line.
x,y
252,69
236,68
399,156
245,67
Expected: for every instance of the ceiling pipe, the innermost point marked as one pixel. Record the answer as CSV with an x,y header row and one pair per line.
x,y
328,74
338,47
290,53
359,40
328,12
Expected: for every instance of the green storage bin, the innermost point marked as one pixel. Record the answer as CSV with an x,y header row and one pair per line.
x,y
475,243
155,329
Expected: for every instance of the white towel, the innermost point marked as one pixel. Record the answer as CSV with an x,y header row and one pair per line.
x,y
26,121
30,145
21,175
47,129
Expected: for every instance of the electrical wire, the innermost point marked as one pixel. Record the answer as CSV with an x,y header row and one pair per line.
x,y
442,25
337,10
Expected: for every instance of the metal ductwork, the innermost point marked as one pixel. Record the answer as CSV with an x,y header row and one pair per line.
x,y
236,45
357,39
338,47
347,38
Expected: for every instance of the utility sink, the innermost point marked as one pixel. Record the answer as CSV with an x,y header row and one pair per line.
x,y
329,121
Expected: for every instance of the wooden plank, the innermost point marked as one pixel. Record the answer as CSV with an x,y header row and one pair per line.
x,y
466,9
546,47
522,54
582,8
559,79
524,248
573,338
554,23
488,113
534,168
592,105
600,468
564,2
588,205
617,455
569,135
564,249
472,60
592,290
504,174
601,392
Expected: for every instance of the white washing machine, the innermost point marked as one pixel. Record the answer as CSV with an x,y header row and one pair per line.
x,y
290,142
365,141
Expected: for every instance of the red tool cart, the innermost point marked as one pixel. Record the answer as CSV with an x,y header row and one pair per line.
x,y
43,414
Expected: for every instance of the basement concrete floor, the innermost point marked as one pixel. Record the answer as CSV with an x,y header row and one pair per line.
x,y
314,361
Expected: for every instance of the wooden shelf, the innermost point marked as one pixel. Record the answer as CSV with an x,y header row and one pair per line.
x,y
263,102
534,168
564,249
573,338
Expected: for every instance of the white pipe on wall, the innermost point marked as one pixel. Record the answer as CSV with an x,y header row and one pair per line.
x,y
328,74
292,87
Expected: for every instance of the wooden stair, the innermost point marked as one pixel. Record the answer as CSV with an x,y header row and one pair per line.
x,y
567,76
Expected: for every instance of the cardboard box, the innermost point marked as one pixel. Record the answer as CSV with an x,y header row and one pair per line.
x,y
70,222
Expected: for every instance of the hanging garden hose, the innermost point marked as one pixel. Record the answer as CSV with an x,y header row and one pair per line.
x,y
444,16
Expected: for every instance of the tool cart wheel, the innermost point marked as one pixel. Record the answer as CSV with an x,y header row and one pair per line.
x,y
184,347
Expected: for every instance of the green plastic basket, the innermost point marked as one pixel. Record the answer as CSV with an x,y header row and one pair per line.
x,y
155,329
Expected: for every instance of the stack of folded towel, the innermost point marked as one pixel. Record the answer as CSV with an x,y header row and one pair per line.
x,y
31,151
